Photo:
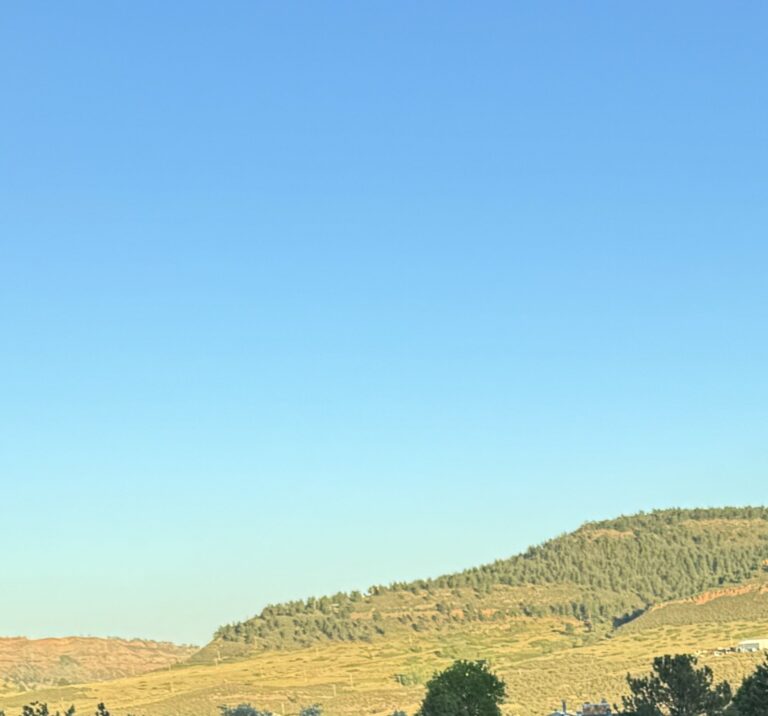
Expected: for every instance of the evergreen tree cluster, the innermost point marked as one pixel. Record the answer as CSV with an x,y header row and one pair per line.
x,y
677,686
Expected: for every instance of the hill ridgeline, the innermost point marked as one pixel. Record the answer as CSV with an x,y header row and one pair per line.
x,y
604,574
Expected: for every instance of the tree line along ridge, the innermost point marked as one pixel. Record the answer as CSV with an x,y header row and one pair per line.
x,y
603,574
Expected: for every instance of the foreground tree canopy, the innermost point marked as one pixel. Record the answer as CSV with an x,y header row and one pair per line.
x,y
467,688
752,698
676,687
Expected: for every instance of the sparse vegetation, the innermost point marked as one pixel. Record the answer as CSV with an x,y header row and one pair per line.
x,y
36,708
314,710
40,708
27,664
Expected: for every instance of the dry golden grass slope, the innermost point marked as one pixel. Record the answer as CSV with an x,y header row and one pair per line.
x,y
543,660
30,663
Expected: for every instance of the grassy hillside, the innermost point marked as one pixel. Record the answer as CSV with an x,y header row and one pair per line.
x,y
32,663
542,659
553,623
603,574
745,603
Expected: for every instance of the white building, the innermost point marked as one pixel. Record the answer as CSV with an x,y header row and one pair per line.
x,y
756,644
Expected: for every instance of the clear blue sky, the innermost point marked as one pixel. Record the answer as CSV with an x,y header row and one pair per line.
x,y
300,297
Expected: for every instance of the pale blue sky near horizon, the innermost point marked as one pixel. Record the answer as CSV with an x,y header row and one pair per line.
x,y
304,297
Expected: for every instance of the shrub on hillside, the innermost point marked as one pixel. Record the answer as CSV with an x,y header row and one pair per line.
x,y
242,710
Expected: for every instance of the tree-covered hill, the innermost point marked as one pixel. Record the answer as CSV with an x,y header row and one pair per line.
x,y
603,575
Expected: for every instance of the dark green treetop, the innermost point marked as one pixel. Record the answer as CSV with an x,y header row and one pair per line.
x,y
314,710
466,688
242,710
676,687
752,697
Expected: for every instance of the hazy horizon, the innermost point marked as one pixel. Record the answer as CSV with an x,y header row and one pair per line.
x,y
302,298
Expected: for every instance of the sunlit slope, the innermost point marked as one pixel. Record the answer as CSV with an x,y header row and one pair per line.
x,y
543,660
30,663
746,603
402,615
